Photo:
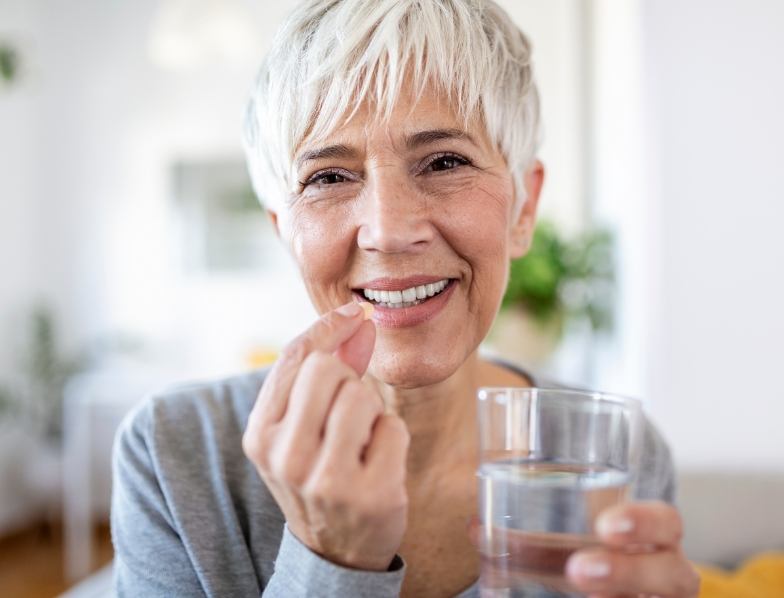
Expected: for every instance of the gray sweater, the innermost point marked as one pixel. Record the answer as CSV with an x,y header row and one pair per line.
x,y
191,516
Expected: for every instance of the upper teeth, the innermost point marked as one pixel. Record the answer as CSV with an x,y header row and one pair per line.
x,y
406,296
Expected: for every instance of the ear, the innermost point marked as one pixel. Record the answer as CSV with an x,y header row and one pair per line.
x,y
273,218
280,225
522,231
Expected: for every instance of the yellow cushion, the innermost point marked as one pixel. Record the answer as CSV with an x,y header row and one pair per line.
x,y
759,577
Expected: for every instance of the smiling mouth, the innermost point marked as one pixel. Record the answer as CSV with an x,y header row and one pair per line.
x,y
408,297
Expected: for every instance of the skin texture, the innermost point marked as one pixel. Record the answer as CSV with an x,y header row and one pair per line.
x,y
365,435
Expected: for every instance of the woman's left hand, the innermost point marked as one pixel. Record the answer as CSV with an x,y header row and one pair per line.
x,y
641,555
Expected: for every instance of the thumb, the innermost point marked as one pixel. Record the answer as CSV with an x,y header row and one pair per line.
x,y
358,349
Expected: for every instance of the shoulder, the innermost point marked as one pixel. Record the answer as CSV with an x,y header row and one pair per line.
x,y
184,445
190,435
182,480
211,406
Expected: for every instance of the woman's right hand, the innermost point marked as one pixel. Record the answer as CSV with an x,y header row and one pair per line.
x,y
331,457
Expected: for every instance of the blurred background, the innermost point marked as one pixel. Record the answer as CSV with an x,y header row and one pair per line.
x,y
133,253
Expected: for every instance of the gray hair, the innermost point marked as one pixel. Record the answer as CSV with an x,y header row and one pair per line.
x,y
332,55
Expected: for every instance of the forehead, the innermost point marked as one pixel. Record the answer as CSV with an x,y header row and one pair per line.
x,y
411,117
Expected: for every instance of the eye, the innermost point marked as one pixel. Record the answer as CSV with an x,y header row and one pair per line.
x,y
326,177
442,162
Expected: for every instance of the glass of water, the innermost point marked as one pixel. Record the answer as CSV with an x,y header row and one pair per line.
x,y
551,461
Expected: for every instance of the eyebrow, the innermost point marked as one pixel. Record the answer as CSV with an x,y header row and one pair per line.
x,y
331,151
432,135
412,141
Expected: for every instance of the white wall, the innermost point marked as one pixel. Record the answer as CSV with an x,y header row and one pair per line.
x,y
18,177
714,89
17,225
557,33
87,223
620,197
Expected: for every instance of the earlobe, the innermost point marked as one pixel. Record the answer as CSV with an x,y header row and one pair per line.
x,y
273,218
520,242
281,229
522,231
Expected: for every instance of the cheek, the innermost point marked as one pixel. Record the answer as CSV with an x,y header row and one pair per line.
x,y
321,241
479,231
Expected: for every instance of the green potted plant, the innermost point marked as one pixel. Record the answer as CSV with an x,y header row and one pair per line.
x,y
9,63
30,420
560,282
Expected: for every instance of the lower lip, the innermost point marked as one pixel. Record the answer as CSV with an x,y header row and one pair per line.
x,y
403,317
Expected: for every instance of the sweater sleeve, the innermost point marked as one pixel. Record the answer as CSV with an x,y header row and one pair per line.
x,y
150,560
301,572
155,557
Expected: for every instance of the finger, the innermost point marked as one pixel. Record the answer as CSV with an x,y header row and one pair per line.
x,y
300,432
320,380
326,334
640,523
350,422
388,447
663,573
357,350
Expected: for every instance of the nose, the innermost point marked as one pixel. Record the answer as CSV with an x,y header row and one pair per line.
x,y
395,215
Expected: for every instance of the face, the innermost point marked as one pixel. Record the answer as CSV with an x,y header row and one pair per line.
x,y
415,214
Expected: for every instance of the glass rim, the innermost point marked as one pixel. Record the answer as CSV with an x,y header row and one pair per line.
x,y
588,395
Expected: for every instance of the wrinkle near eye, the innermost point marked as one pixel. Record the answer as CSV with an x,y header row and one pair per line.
x,y
443,187
500,198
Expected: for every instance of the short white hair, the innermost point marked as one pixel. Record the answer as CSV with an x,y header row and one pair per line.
x,y
332,55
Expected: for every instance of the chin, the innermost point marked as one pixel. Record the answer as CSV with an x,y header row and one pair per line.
x,y
412,369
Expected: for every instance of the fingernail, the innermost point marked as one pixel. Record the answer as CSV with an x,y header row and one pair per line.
x,y
368,309
588,566
607,526
350,309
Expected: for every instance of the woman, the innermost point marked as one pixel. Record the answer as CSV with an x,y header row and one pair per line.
x,y
393,143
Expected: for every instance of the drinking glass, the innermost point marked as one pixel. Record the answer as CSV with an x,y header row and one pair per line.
x,y
550,461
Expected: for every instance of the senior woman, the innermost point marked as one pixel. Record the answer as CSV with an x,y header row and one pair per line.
x,y
393,143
